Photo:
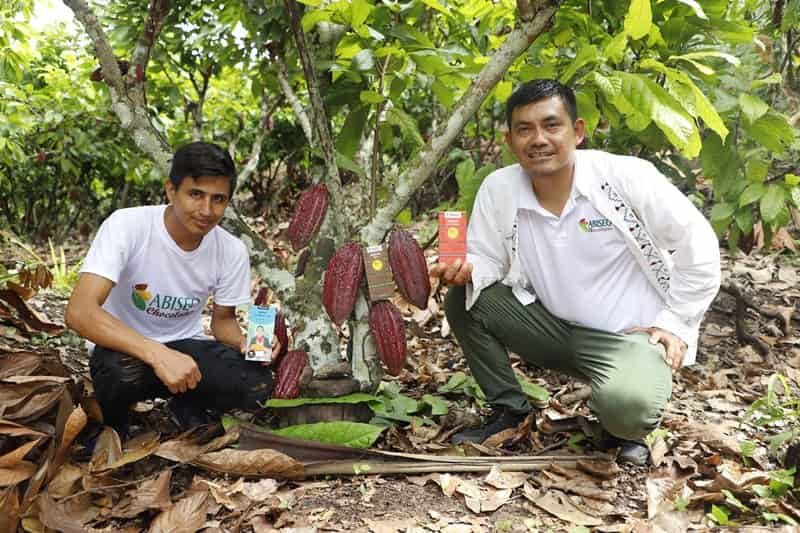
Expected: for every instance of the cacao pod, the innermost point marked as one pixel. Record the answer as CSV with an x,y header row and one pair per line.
x,y
409,268
389,333
283,337
287,380
261,297
308,216
342,279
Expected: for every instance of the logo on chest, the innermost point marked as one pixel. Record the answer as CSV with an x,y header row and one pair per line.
x,y
595,224
160,305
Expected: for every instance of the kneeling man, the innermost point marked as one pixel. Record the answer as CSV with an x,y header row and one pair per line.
x,y
584,262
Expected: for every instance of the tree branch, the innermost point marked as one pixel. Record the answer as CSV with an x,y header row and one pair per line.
x,y
294,101
141,54
515,44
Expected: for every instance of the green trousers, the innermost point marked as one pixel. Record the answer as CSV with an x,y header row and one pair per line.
x,y
629,377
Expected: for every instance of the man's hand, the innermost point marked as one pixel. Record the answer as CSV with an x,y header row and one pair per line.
x,y
176,370
675,348
456,273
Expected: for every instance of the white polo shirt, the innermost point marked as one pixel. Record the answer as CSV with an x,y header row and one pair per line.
x,y
580,267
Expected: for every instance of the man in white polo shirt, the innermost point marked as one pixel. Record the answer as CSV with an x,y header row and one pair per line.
x,y
582,261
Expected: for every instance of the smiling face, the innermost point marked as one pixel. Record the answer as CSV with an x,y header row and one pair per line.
x,y
197,205
543,138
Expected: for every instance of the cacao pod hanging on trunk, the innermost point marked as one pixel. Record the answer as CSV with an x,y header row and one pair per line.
x,y
389,334
283,337
409,268
308,216
342,280
287,380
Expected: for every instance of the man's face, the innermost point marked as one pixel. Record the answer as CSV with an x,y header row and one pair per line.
x,y
199,203
543,137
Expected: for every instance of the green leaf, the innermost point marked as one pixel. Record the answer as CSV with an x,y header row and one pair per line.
x,y
342,161
586,54
310,19
772,202
349,139
443,93
642,95
722,210
795,196
745,220
792,180
407,124
436,5
638,19
357,397
719,515
698,9
779,439
404,217
752,193
352,434
747,448
731,500
772,79
756,170
587,109
762,491
439,406
537,392
773,517
615,49
503,90
705,54
772,131
360,10
371,97
753,107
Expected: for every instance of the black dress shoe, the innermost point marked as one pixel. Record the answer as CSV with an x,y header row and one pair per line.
x,y
499,420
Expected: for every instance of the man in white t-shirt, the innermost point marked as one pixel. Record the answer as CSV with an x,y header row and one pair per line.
x,y
581,261
143,287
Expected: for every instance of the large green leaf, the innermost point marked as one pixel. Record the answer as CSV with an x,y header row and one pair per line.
x,y
357,397
752,193
537,392
351,434
349,139
772,131
639,18
722,211
772,202
645,96
752,106
439,406
586,54
408,126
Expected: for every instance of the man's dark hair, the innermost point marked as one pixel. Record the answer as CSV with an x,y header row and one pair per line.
x,y
201,159
535,90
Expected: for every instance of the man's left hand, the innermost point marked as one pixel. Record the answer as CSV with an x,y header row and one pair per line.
x,y
675,348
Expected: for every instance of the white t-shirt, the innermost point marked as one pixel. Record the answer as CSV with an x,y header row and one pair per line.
x,y
160,289
581,268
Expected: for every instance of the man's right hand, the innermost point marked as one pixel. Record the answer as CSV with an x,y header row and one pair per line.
x,y
176,370
456,273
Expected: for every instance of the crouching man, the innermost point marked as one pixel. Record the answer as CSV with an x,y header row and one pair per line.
x,y
584,262
142,289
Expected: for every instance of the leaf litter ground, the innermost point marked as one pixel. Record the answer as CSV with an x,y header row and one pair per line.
x,y
711,468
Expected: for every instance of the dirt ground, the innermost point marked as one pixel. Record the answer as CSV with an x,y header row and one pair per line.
x,y
699,455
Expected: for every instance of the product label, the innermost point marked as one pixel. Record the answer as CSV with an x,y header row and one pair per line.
x,y
260,329
380,282
452,236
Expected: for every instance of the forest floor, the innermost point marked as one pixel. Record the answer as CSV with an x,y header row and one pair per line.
x,y
714,464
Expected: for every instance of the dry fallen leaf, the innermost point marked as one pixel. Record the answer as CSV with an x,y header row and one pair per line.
x,y
9,509
505,480
12,429
187,515
19,364
63,483
68,516
448,483
556,503
151,494
14,457
107,450
262,462
389,526
16,474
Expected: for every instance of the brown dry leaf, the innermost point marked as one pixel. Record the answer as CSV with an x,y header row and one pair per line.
x,y
491,500
38,479
448,483
505,480
782,239
28,315
26,293
19,364
658,449
259,491
389,526
601,469
14,457
16,474
228,496
263,462
107,451
558,504
68,516
663,485
27,397
75,424
710,435
63,483
137,449
12,429
151,494
184,449
9,509
187,515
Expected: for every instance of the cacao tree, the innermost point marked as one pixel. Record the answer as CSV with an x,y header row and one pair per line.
x,y
384,91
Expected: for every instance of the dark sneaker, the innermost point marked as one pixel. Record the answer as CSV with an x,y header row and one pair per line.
x,y
499,420
633,452
187,416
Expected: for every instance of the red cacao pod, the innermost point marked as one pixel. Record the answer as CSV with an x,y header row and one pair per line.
x,y
342,279
283,337
389,333
409,268
287,380
308,216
